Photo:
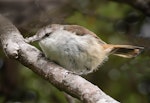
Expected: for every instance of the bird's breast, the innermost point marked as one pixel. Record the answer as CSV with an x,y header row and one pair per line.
x,y
79,54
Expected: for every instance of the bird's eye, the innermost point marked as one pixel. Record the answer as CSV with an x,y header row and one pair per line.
x,y
47,34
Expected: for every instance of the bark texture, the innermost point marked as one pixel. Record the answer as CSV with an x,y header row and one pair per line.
x,y
15,47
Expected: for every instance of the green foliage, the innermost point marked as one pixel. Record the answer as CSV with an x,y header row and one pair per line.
x,y
102,20
112,9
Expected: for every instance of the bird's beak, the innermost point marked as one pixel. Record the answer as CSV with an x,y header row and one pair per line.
x,y
32,39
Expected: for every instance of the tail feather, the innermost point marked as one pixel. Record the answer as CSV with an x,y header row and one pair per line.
x,y
126,51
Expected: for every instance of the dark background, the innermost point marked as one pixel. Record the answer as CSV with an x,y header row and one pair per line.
x,y
116,22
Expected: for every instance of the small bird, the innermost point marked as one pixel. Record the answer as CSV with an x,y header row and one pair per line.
x,y
78,49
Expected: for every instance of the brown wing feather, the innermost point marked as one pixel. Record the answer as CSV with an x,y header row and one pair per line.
x,y
80,30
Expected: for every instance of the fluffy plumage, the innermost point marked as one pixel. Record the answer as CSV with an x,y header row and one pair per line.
x,y
78,49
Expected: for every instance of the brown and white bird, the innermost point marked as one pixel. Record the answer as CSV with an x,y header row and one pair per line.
x,y
78,49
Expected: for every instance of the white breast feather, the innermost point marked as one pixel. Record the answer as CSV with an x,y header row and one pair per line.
x,y
79,54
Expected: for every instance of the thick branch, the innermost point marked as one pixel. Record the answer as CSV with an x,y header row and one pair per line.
x,y
15,47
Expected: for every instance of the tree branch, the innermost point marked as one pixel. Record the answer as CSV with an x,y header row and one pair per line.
x,y
15,47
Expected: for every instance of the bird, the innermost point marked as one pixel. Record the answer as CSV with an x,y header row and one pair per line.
x,y
78,49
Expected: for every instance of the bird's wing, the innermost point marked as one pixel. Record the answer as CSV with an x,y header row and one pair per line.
x,y
80,30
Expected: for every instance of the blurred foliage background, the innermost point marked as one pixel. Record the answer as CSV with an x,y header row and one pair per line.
x,y
127,80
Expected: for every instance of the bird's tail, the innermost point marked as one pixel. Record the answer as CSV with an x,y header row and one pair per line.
x,y
126,51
